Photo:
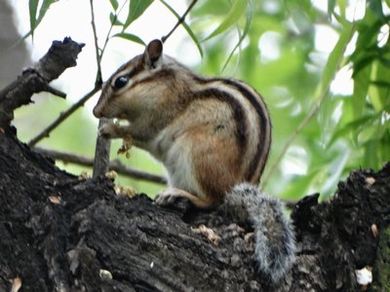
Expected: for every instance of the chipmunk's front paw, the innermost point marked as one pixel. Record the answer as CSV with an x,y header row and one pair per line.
x,y
108,130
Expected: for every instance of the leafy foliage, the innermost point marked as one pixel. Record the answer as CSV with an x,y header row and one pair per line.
x,y
236,11
35,19
187,28
136,9
321,130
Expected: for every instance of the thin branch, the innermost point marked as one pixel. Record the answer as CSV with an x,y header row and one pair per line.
x,y
111,27
103,145
54,91
63,116
115,165
99,79
180,21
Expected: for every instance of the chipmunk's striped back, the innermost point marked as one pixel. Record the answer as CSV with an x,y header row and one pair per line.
x,y
253,126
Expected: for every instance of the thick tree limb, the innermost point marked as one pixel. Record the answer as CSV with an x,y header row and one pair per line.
x,y
60,56
58,231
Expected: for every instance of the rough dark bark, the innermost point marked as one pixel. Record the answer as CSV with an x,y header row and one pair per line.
x,y
101,163
59,232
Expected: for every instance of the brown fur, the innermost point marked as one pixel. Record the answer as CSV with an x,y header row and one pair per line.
x,y
205,122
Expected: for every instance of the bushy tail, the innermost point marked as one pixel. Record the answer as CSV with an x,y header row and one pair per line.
x,y
275,242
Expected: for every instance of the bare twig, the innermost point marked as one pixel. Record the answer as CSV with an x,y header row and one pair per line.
x,y
103,145
115,165
180,21
63,116
110,29
54,91
98,56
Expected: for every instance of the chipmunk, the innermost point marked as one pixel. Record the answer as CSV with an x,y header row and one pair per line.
x,y
213,135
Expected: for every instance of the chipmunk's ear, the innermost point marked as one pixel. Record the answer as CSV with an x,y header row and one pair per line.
x,y
153,53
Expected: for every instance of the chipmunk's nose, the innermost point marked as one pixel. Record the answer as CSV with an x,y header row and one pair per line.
x,y
97,112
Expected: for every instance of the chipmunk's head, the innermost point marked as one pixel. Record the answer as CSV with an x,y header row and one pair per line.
x,y
137,86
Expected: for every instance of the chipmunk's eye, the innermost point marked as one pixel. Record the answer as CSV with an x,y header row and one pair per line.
x,y
120,82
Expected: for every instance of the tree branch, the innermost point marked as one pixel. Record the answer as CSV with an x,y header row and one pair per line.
x,y
62,117
54,91
180,21
103,145
61,55
81,235
99,79
115,165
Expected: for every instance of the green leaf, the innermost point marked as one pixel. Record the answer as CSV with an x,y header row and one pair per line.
x,y
331,6
33,11
136,9
33,8
354,126
380,83
376,7
114,19
342,5
379,95
249,17
371,154
385,146
130,37
385,62
237,10
299,186
44,8
360,90
335,58
211,8
331,171
363,62
114,4
186,27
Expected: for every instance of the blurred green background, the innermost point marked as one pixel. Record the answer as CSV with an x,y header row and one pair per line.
x,y
321,66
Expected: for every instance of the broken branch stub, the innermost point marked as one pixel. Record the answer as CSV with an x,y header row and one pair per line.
x,y
60,56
